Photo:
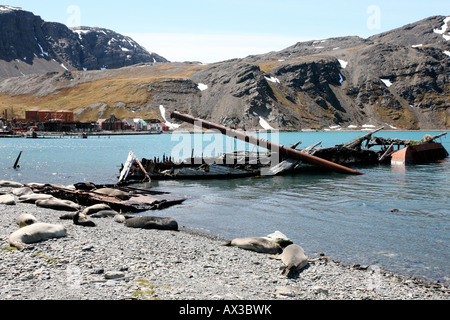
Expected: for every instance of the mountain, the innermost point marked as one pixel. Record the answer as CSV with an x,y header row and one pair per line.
x,y
397,79
29,45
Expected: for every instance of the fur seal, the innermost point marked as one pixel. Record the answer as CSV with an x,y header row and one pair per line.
x,y
68,215
152,223
35,233
22,191
58,205
113,193
294,259
80,219
33,197
10,184
25,220
7,199
96,208
257,244
104,214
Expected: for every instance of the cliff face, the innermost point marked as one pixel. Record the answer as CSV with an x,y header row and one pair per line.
x,y
397,79
29,45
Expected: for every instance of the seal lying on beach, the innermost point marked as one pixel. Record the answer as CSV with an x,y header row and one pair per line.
x,y
58,205
80,219
110,192
10,184
294,259
104,214
96,208
22,191
7,199
25,220
68,215
33,197
35,233
258,244
152,223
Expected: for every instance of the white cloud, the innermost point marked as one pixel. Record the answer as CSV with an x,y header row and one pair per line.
x,y
209,48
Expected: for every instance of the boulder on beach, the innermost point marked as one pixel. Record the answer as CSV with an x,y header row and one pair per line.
x,y
120,218
157,223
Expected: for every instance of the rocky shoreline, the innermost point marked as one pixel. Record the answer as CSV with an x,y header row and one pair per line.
x,y
113,262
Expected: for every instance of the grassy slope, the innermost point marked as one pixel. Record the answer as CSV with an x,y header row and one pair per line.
x,y
127,85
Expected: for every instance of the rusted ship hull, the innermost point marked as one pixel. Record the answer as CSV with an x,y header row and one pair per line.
x,y
221,167
419,154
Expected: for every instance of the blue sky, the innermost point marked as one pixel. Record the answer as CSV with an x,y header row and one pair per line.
x,y
215,30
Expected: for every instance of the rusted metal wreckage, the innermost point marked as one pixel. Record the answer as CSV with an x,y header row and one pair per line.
x,y
290,160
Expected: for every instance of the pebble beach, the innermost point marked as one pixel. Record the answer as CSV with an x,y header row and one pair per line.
x,y
113,262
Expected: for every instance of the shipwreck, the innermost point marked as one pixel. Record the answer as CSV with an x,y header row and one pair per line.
x,y
290,160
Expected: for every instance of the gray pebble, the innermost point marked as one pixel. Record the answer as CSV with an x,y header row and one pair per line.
x,y
112,262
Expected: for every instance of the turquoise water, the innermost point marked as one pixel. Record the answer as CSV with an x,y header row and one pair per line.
x,y
348,218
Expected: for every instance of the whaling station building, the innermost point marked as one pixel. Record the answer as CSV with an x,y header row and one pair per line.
x,y
64,121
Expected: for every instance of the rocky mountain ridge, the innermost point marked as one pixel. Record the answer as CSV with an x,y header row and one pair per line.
x,y
397,79
30,45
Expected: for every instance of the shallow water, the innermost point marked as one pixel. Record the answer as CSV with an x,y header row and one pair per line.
x,y
348,218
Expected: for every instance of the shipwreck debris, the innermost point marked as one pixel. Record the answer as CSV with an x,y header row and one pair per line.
x,y
413,152
244,164
283,150
16,164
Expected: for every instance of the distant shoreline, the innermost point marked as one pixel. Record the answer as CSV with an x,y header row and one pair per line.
x,y
55,135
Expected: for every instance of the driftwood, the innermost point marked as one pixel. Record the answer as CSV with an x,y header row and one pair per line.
x,y
358,141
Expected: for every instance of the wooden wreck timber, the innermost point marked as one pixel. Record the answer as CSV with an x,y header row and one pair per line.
x,y
125,199
242,164
226,166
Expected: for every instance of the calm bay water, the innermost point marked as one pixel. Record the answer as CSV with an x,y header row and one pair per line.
x,y
348,218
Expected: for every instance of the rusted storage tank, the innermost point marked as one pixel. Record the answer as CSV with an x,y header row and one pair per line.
x,y
31,115
65,115
44,115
